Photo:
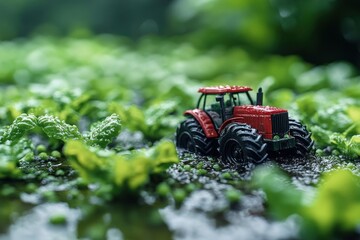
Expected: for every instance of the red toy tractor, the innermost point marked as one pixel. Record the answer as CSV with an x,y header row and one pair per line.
x,y
227,121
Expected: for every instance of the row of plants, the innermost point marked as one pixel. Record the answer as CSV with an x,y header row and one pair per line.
x,y
149,84
79,100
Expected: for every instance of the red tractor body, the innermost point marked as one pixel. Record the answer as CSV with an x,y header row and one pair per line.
x,y
233,121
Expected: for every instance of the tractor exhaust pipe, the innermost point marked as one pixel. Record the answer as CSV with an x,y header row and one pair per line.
x,y
259,97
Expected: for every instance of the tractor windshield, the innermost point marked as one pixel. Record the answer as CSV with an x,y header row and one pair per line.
x,y
208,102
237,99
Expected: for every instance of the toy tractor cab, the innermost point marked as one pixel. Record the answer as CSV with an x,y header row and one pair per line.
x,y
227,121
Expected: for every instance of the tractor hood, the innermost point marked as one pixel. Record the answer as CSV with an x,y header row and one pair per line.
x,y
258,110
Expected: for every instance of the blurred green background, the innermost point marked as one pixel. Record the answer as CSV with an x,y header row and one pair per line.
x,y
319,31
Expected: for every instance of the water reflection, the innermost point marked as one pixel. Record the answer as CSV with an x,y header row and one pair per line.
x,y
36,225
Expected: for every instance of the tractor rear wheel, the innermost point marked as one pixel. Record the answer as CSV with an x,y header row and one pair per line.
x,y
302,138
191,137
239,144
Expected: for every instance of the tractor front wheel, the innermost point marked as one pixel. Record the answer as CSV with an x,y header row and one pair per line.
x,y
302,138
191,137
239,144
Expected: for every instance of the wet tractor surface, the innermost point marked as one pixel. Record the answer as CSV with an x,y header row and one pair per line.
x,y
205,204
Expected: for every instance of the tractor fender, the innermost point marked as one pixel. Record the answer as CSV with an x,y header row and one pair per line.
x,y
232,120
205,122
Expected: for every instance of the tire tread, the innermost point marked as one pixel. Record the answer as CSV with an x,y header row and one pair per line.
x,y
203,145
254,148
303,140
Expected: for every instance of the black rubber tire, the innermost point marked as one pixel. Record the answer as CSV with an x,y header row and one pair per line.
x,y
240,144
303,140
191,137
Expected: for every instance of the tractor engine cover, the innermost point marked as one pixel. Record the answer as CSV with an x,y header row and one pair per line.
x,y
269,121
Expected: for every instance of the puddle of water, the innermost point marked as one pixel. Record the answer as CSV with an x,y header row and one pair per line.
x,y
133,220
36,225
188,226
112,221
10,208
191,221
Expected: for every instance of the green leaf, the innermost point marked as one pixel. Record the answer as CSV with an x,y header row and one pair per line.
x,y
354,146
321,136
164,155
88,161
57,129
350,147
283,198
336,207
102,133
132,117
10,156
354,113
132,171
21,125
161,120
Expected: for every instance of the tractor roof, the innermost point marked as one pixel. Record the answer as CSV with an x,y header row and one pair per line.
x,y
224,89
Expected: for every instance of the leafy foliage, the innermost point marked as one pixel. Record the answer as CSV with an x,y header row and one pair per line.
x,y
331,120
349,147
101,133
10,156
155,122
89,165
336,207
334,210
282,197
123,172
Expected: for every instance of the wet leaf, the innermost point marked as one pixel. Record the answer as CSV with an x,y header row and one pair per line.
x,y
57,129
102,133
21,125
